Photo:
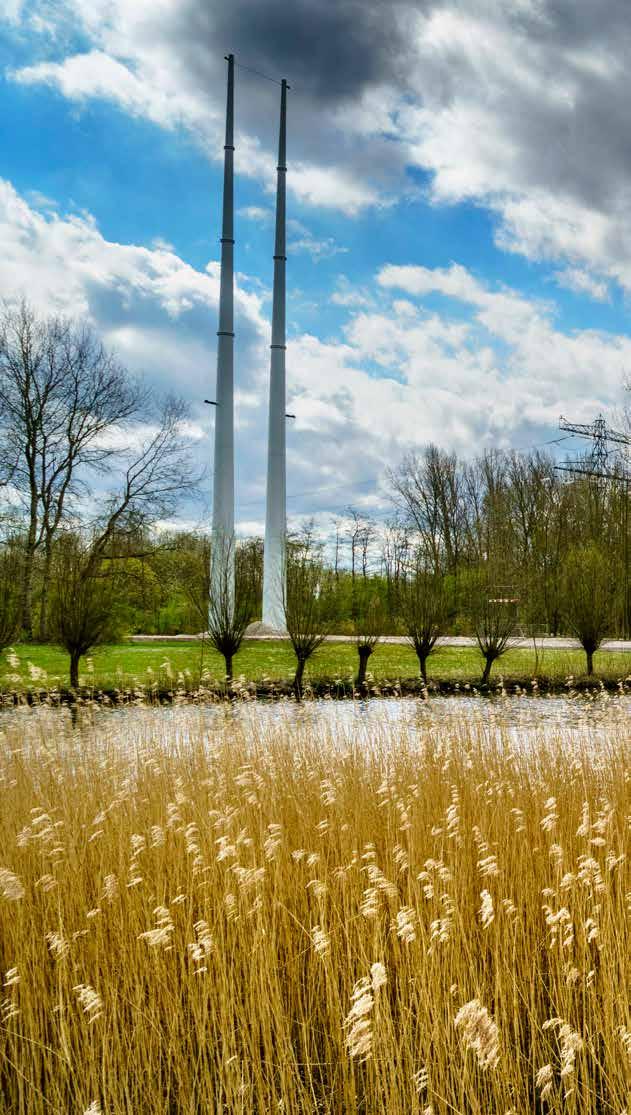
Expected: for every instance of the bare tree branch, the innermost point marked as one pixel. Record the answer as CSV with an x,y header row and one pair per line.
x,y
60,394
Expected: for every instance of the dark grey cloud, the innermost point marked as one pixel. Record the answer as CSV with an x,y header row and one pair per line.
x,y
330,51
578,143
334,51
569,23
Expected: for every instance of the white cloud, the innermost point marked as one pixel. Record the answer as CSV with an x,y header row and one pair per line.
x,y
304,240
153,309
544,368
349,295
39,200
503,312
521,111
495,373
329,188
318,249
159,244
97,74
13,10
256,213
454,281
66,262
582,283
143,88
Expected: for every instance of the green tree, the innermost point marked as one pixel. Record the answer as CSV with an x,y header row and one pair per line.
x,y
588,593
368,623
84,596
11,558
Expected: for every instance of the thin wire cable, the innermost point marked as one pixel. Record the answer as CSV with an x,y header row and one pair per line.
x,y
258,73
540,444
367,483
554,441
329,488
311,492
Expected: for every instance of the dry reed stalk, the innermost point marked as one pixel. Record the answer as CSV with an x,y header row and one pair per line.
x,y
247,911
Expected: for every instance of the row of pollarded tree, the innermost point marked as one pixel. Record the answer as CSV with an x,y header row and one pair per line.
x,y
88,571
86,575
426,601
226,603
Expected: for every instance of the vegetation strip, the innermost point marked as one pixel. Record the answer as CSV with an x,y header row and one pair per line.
x,y
266,668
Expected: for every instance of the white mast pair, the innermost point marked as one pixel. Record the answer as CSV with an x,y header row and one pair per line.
x,y
223,541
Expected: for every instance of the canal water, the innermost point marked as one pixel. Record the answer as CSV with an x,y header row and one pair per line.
x,y
518,719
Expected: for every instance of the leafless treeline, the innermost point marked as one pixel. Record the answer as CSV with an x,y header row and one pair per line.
x,y
511,516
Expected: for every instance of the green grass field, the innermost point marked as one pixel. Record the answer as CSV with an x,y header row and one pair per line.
x,y
122,665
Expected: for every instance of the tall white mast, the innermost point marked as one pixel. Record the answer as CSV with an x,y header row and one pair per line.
x,y
222,554
274,573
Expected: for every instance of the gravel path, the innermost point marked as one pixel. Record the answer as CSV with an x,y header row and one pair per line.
x,y
547,643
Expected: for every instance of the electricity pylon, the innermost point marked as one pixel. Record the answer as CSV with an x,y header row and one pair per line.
x,y
600,433
597,465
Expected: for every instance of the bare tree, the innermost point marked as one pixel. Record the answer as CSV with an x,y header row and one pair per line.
x,y
429,489
304,608
158,475
395,550
354,533
336,561
361,534
493,617
423,610
366,540
60,392
588,593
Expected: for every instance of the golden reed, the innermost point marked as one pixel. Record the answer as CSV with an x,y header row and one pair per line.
x,y
260,910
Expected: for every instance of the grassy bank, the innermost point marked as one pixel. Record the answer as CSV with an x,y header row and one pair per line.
x,y
165,665
274,915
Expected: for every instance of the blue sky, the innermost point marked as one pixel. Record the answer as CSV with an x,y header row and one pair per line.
x,y
459,253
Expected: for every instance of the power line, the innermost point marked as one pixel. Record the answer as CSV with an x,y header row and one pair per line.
x,y
553,441
266,77
310,492
538,445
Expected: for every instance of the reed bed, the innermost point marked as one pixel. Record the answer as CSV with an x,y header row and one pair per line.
x,y
223,911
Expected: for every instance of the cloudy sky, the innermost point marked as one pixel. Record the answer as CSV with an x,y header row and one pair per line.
x,y
459,214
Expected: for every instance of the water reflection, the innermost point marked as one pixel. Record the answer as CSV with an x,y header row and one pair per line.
x,y
520,718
